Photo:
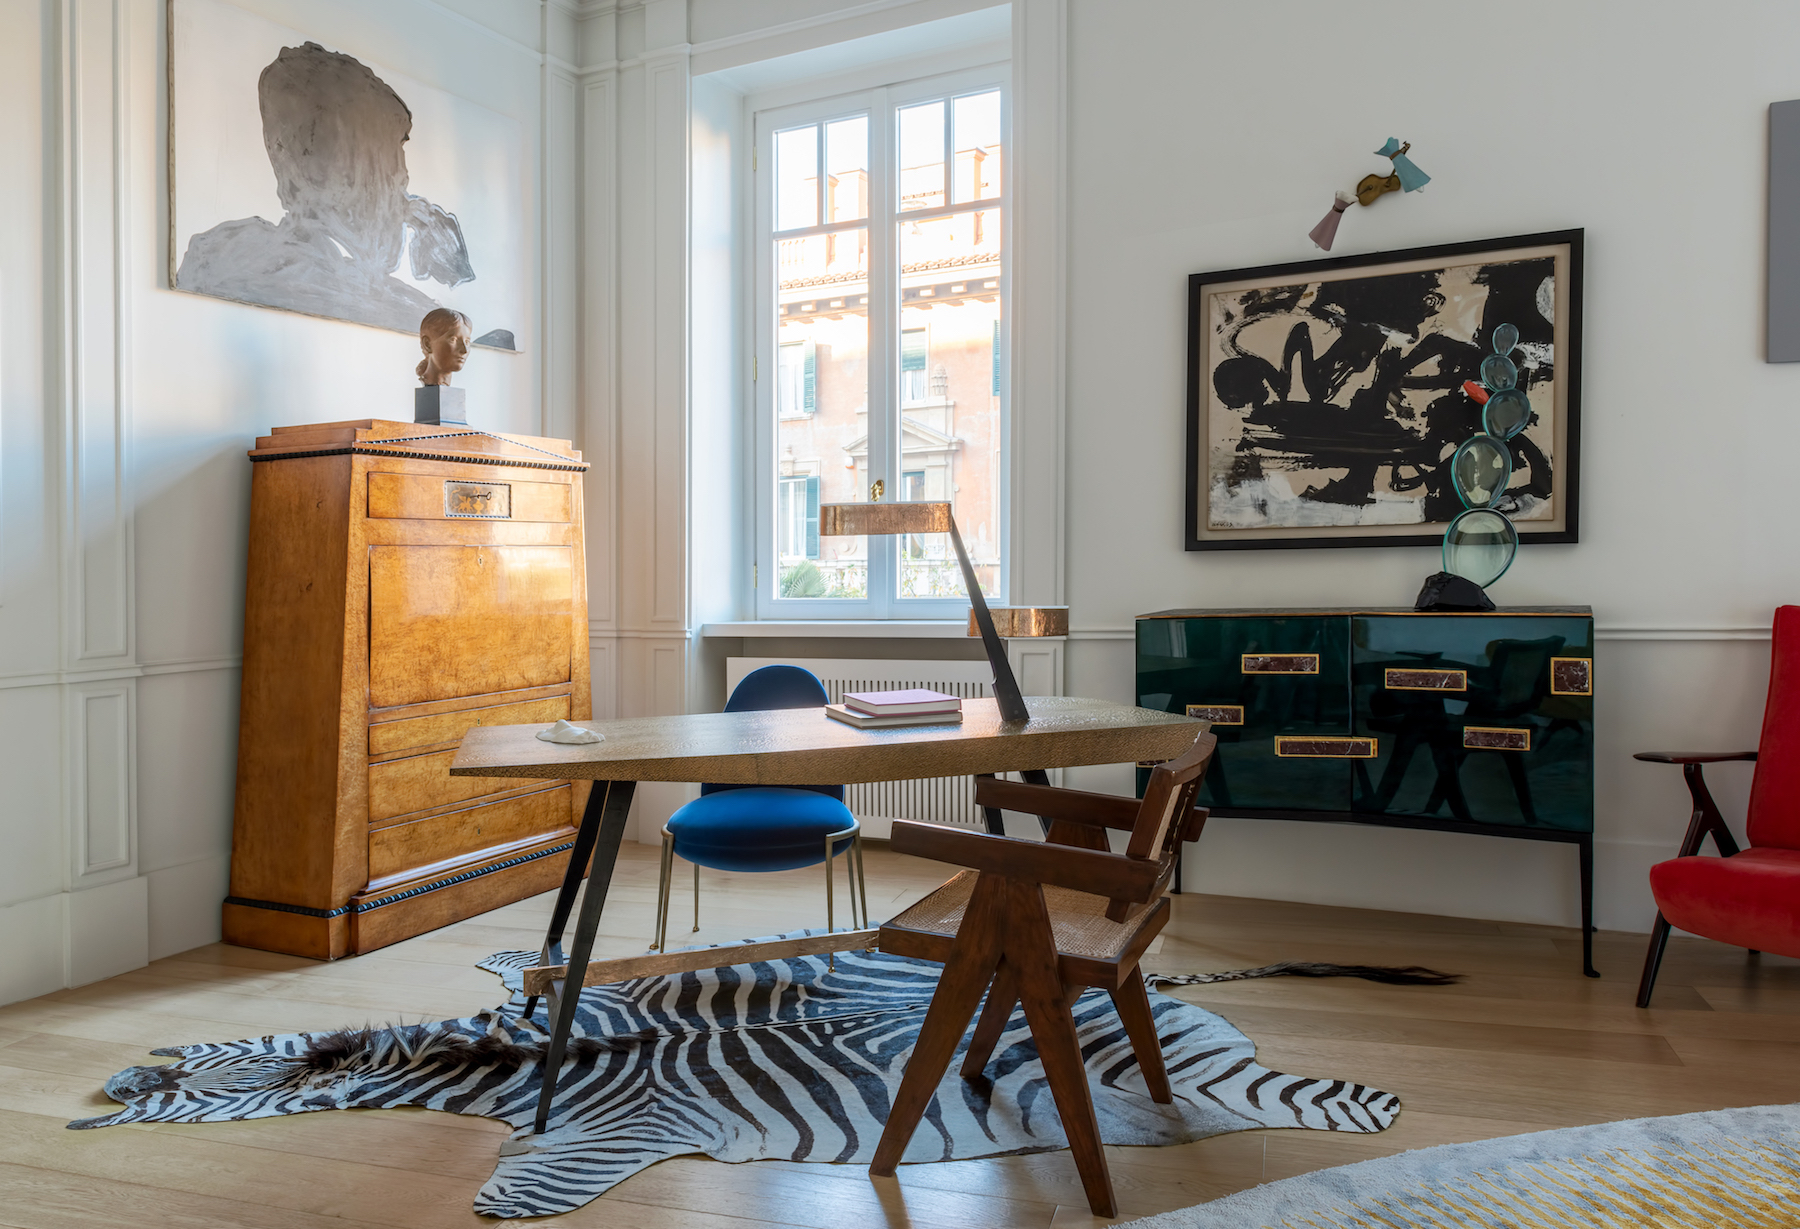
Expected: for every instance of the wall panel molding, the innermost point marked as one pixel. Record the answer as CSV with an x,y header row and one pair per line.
x,y
101,739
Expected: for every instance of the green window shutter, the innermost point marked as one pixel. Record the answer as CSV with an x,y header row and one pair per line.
x,y
812,516
996,388
912,350
809,380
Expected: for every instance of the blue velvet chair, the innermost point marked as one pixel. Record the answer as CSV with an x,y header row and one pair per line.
x,y
764,828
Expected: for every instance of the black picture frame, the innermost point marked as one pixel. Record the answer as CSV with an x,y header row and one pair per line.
x,y
1564,389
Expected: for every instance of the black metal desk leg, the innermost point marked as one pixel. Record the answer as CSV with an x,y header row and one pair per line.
x,y
552,952
564,1002
1587,905
1037,776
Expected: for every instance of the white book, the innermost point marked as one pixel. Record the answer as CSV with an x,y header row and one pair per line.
x,y
907,700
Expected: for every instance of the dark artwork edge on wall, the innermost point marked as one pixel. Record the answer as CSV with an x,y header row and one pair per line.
x,y
1567,362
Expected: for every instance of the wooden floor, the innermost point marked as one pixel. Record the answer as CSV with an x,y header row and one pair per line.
x,y
1524,1044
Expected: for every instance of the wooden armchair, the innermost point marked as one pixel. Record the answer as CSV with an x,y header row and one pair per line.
x,y
1040,922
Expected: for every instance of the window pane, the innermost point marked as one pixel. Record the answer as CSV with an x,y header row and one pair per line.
x,y
977,145
847,169
950,422
821,410
922,156
797,177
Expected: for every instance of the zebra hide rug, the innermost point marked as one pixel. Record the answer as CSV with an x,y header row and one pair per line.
x,y
782,1060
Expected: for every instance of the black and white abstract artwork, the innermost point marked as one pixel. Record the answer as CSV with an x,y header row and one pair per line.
x,y
1326,399
303,178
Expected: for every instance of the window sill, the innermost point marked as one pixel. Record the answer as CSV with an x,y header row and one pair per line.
x,y
845,629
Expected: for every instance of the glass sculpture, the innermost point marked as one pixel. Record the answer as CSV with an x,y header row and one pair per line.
x,y
1480,543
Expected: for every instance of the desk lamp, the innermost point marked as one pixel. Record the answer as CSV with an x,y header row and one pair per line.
x,y
878,519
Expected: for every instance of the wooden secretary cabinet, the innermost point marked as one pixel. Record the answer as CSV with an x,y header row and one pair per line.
x,y
406,583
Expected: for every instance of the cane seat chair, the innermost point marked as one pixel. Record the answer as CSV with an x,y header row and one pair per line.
x,y
1037,923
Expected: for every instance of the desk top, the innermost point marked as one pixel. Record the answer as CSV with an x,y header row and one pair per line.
x,y
805,747
1237,612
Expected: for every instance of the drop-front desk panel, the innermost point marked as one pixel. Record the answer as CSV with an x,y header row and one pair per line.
x,y
1479,723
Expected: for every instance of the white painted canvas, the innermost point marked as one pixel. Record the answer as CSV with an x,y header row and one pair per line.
x,y
299,181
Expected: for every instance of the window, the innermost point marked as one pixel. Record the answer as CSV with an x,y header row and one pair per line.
x,y
880,308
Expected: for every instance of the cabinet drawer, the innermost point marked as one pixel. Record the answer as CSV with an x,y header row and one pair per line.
x,y
400,848
447,621
421,782
386,737
426,497
1256,677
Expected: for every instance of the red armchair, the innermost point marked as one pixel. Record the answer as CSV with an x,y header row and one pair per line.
x,y
1746,897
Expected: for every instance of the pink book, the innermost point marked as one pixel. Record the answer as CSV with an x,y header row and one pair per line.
x,y
897,703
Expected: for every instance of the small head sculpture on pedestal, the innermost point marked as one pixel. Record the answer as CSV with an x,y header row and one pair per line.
x,y
444,338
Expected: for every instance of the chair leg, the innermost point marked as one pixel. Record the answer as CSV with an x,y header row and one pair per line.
x,y
1659,938
1133,1004
862,880
830,904
1031,949
967,973
1002,997
662,894
696,929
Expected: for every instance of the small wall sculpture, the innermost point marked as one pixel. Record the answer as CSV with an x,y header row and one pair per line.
x,y
1406,177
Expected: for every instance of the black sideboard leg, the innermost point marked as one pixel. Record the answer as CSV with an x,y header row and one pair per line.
x,y
1587,904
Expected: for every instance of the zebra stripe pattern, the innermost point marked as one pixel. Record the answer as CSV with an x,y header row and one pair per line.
x,y
785,1060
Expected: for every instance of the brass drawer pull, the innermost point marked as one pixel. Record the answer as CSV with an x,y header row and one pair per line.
x,y
1311,747
1427,680
488,501
1218,714
1571,676
1279,663
1496,738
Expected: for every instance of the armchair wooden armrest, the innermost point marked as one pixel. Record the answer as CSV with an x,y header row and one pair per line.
x,y
1112,875
1074,805
1705,820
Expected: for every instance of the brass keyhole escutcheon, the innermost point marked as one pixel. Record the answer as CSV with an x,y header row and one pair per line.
x,y
875,490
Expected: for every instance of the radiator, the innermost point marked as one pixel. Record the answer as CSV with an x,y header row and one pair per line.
x,y
941,800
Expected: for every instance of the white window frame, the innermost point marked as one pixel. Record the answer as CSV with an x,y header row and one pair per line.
x,y
882,105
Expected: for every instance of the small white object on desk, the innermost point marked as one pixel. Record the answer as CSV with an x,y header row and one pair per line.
x,y
864,721
566,732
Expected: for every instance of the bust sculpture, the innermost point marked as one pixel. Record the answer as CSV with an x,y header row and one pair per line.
x,y
444,338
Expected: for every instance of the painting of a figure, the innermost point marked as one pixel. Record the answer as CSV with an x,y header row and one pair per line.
x,y
1327,398
359,196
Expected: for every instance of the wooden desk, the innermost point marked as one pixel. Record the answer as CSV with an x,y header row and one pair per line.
x,y
785,747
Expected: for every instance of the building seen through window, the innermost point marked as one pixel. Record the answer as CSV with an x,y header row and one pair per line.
x,y
939,202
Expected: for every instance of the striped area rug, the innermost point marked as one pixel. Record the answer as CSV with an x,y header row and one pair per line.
x,y
1724,1169
789,1060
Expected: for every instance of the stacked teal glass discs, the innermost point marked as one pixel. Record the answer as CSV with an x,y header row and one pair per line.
x,y
1480,543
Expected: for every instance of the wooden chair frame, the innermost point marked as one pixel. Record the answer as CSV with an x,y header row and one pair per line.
x,y
1704,822
1006,945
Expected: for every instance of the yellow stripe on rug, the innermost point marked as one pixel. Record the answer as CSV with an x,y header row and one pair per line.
x,y
1744,1187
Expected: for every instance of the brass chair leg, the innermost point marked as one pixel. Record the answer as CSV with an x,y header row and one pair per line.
x,y
696,929
662,893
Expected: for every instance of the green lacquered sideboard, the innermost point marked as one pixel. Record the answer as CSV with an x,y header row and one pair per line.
x,y
1480,723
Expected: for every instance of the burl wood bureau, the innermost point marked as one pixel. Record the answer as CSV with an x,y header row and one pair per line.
x,y
406,583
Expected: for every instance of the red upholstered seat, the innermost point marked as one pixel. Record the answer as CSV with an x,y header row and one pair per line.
x,y
1748,898
1751,900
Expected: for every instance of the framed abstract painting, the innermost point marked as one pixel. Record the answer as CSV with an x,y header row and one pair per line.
x,y
1327,397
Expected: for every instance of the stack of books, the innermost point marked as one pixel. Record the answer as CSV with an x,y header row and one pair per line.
x,y
868,710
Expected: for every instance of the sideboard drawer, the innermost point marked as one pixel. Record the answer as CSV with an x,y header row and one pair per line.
x,y
422,782
387,737
400,848
1504,748
1256,678
427,497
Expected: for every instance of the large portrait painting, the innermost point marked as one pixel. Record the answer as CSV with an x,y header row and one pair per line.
x,y
306,179
1325,398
